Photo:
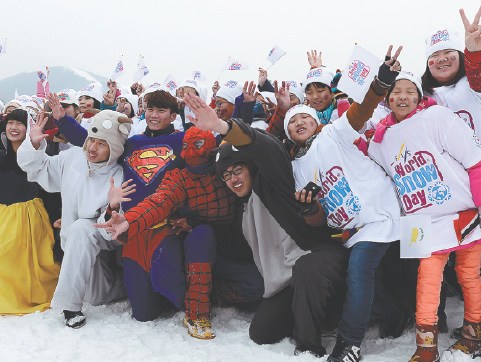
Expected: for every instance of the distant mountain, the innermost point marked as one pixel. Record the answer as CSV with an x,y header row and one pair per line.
x,y
60,78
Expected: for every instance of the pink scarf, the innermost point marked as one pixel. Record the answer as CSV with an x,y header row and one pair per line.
x,y
390,120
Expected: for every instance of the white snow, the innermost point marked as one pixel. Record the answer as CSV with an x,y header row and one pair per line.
x,y
112,335
84,74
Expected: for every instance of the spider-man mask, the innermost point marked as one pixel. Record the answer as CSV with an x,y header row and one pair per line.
x,y
198,146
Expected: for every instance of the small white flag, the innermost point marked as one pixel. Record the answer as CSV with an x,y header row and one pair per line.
x,y
171,84
356,78
16,94
141,71
198,76
416,234
119,68
235,64
275,54
3,45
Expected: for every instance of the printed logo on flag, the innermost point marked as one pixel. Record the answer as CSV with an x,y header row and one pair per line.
x,y
41,76
119,67
272,51
171,85
196,75
417,235
358,72
235,66
144,70
441,35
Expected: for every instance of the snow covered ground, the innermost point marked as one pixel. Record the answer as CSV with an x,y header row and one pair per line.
x,y
112,335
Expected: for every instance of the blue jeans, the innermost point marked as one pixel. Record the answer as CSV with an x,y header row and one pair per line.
x,y
363,286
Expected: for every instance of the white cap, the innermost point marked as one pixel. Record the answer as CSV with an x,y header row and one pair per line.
x,y
93,90
300,108
132,98
411,77
190,83
318,75
229,91
443,39
295,88
68,96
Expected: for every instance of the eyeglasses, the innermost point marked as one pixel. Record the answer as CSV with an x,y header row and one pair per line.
x,y
236,171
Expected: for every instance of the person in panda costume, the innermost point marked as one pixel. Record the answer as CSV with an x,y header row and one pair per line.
x,y
85,177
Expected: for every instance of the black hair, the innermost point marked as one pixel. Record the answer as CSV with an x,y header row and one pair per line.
x,y
389,91
162,99
318,85
429,83
17,115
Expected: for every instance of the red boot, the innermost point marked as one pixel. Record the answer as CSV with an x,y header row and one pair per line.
x,y
427,344
470,341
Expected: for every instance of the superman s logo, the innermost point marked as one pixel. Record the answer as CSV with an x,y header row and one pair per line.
x,y
149,162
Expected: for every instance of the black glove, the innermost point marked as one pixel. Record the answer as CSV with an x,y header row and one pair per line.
x,y
385,75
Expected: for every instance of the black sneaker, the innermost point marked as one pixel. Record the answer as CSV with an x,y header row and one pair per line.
x,y
344,352
394,328
74,319
318,352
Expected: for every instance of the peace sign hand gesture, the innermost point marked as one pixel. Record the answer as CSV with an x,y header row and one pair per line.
x,y
472,31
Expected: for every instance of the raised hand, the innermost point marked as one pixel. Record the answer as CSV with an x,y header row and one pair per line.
x,y
249,91
36,130
314,59
117,194
117,225
205,117
57,110
109,97
262,76
389,70
472,31
282,95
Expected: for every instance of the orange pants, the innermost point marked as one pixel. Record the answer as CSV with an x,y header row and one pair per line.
x,y
430,277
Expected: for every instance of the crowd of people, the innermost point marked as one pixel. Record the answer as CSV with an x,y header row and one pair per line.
x,y
288,199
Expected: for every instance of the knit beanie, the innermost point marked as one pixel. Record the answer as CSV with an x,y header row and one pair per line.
x,y
295,88
411,77
192,84
131,98
441,40
114,128
93,90
229,91
68,96
18,114
318,75
300,108
227,156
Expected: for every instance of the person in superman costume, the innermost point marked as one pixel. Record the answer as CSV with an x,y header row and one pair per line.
x,y
163,267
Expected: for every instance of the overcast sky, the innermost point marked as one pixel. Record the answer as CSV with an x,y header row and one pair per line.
x,y
177,37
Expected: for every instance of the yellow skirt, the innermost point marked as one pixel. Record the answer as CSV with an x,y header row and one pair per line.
x,y
28,273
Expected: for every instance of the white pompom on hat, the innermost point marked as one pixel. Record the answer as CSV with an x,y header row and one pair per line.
x,y
93,90
295,88
300,108
114,128
443,39
229,91
318,75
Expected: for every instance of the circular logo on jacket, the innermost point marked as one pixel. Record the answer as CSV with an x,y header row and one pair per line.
x,y
439,193
353,205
